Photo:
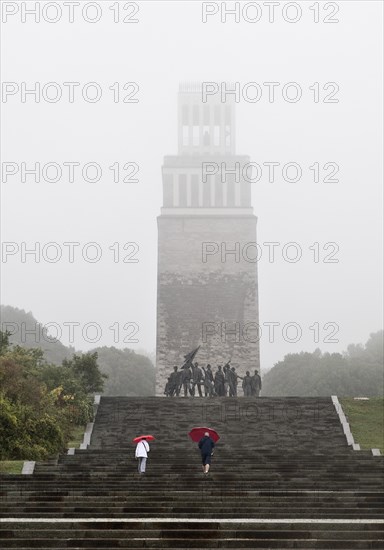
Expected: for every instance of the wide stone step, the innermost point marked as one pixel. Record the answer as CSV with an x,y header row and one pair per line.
x,y
181,513
137,508
224,466
245,529
313,531
14,536
127,488
191,500
264,543
206,491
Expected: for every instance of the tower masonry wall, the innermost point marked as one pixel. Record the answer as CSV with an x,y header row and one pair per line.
x,y
207,299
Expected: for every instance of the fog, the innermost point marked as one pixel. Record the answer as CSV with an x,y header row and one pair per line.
x,y
335,127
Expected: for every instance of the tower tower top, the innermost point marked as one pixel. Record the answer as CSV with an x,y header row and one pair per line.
x,y
206,125
206,177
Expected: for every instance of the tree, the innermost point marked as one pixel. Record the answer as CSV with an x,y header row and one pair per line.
x,y
356,372
40,402
86,369
374,347
129,373
4,342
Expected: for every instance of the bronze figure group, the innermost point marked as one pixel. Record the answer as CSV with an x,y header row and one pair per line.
x,y
192,380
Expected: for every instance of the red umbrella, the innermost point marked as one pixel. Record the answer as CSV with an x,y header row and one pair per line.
x,y
197,433
140,437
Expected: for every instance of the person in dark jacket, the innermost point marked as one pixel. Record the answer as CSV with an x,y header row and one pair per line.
x,y
206,446
174,382
227,378
247,384
186,380
197,379
256,384
208,381
233,382
219,382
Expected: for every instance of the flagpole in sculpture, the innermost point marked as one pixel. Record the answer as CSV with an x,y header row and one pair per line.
x,y
189,358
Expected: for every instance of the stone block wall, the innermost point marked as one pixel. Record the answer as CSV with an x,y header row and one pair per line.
x,y
210,301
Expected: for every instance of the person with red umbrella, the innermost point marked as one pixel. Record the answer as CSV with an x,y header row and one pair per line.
x,y
142,450
206,446
206,438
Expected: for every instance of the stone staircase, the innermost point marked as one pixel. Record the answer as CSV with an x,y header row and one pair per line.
x,y
282,476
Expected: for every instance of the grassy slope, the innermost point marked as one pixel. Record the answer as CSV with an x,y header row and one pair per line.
x,y
77,436
11,466
366,419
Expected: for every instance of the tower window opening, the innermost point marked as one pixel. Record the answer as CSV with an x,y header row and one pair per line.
x,y
183,202
185,135
194,190
216,129
216,136
231,197
206,136
216,115
206,114
195,115
168,190
184,115
227,136
207,193
219,191
195,135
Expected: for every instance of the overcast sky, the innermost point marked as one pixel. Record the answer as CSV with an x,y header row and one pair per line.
x,y
170,44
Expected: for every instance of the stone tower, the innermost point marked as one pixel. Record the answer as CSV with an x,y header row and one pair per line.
x,y
207,292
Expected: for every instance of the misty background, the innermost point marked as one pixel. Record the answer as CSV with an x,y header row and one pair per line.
x,y
169,45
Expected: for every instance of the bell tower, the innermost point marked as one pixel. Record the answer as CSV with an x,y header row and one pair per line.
x,y
207,291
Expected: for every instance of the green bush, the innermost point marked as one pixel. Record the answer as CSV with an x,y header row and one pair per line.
x,y
8,428
40,403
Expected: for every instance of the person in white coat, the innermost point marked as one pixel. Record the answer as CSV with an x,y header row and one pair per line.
x,y
141,453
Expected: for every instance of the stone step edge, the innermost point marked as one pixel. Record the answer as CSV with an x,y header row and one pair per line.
x,y
190,520
89,428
